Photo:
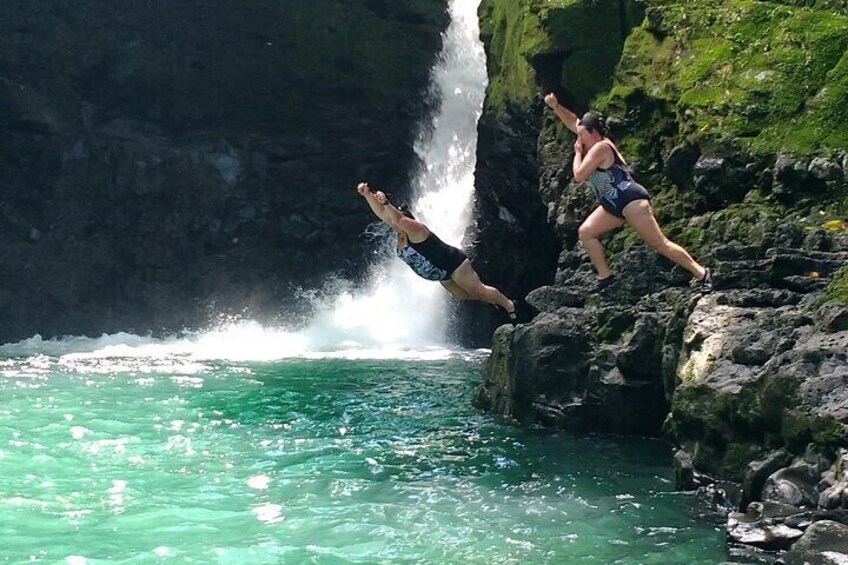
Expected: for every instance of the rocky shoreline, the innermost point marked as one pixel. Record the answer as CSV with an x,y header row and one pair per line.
x,y
749,383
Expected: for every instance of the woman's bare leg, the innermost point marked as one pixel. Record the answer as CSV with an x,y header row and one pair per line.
x,y
456,290
640,215
598,223
466,277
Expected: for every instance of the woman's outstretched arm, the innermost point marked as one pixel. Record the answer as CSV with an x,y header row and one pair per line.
x,y
568,117
380,205
387,212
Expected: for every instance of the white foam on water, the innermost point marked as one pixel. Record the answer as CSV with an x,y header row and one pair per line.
x,y
191,352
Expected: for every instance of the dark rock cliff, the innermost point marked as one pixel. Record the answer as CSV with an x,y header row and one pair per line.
x,y
733,115
166,162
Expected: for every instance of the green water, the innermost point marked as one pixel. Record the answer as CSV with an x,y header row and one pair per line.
x,y
314,461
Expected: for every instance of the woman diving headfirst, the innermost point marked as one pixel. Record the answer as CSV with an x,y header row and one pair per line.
x,y
598,162
430,257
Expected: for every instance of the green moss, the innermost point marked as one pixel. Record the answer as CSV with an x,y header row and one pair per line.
x,y
540,45
801,427
718,409
775,76
722,422
619,241
838,287
840,6
749,224
736,459
508,29
829,433
611,325
796,430
733,427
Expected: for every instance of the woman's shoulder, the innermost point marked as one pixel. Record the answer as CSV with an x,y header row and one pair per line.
x,y
614,152
610,146
604,154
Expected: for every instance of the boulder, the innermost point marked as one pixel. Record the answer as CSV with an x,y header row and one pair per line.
x,y
823,543
795,486
745,529
757,472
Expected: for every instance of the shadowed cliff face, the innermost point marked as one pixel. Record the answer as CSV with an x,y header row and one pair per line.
x,y
166,162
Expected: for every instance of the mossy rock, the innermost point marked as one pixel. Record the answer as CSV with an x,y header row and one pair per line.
x,y
774,76
838,287
612,324
801,428
717,411
736,458
829,432
569,46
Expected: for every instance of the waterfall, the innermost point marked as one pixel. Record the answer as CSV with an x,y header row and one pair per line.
x,y
397,308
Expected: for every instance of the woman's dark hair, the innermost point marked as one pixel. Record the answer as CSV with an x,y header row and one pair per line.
x,y
595,122
404,209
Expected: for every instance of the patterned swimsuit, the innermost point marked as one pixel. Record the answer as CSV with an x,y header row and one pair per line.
x,y
616,188
432,259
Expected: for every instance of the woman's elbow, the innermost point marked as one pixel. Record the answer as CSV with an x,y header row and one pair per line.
x,y
580,177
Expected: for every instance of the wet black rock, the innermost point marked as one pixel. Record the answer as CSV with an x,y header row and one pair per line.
x,y
795,486
798,176
757,472
680,165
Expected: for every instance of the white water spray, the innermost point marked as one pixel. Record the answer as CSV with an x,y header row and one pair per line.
x,y
398,315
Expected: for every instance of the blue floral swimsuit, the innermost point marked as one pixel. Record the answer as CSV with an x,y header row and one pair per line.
x,y
432,259
616,188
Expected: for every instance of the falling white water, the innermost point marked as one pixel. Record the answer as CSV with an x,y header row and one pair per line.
x,y
398,309
397,315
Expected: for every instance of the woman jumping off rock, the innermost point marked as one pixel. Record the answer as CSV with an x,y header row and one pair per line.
x,y
430,257
598,162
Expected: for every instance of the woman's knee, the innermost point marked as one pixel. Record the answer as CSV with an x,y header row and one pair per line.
x,y
586,233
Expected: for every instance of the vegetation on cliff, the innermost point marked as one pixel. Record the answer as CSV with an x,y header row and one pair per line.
x,y
761,88
773,76
838,288
534,46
